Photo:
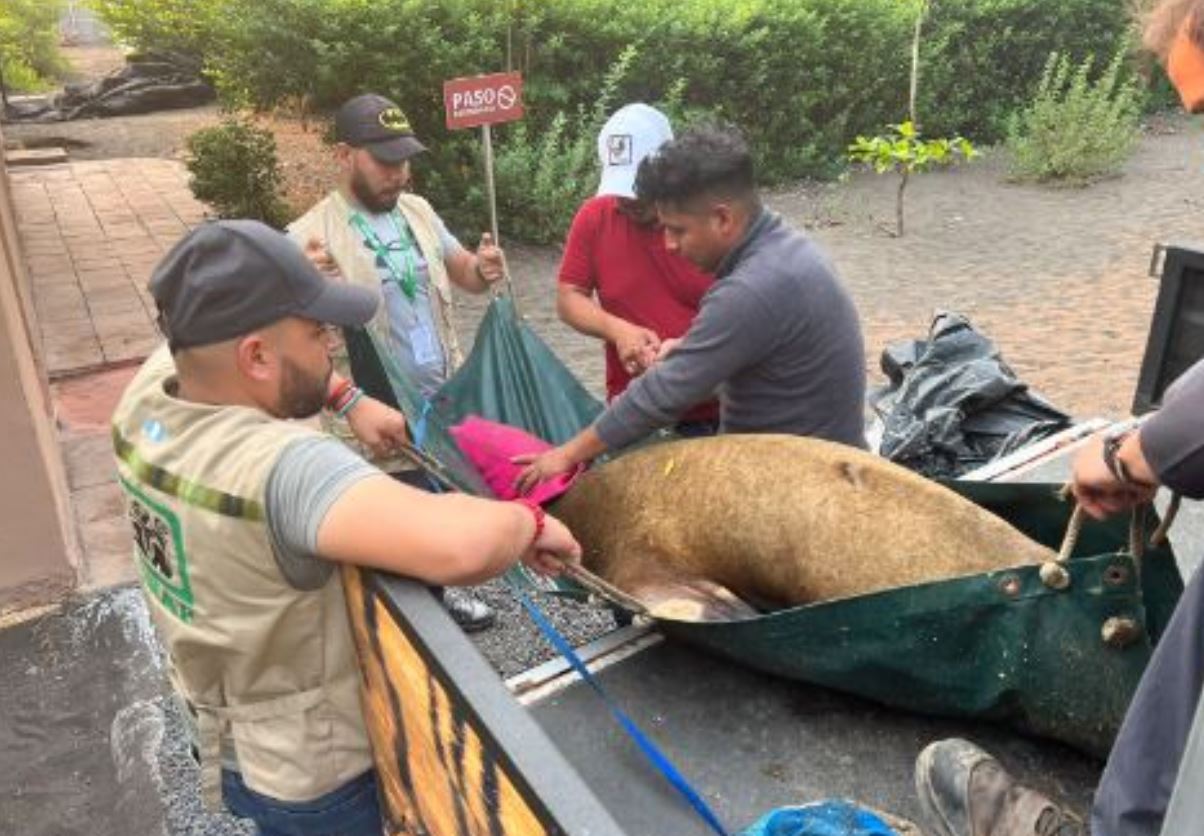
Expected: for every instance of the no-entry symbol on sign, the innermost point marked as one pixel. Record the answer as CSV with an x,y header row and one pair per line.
x,y
483,100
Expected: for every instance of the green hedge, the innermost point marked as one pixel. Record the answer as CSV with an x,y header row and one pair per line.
x,y
983,59
802,77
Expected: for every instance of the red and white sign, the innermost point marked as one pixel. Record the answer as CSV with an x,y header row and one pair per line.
x,y
483,100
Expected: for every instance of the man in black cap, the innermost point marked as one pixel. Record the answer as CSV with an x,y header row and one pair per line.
x,y
372,231
241,514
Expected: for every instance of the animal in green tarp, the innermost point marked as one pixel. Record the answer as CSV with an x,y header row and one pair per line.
x,y
699,530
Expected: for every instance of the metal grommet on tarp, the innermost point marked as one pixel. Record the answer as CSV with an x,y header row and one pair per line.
x,y
1009,585
1117,575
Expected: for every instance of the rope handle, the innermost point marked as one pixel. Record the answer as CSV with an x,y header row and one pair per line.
x,y
1137,526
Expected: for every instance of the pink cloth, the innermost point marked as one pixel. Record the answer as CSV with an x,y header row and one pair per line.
x,y
489,446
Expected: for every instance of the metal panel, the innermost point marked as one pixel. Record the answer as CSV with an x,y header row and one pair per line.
x,y
1176,339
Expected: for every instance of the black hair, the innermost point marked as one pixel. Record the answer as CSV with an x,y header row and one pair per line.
x,y
708,161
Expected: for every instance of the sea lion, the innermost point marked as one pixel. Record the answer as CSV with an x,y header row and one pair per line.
x,y
694,528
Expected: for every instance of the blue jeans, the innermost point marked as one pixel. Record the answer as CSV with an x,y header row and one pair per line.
x,y
350,810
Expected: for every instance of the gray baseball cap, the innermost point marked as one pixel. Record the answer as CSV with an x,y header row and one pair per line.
x,y
226,278
378,125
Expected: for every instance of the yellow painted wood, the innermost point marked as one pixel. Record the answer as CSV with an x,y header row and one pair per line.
x,y
436,772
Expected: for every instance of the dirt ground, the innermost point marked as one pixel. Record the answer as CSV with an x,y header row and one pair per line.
x,y
1058,277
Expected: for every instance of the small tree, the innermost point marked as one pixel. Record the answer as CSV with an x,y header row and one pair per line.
x,y
902,149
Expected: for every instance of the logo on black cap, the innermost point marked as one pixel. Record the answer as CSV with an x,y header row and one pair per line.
x,y
391,118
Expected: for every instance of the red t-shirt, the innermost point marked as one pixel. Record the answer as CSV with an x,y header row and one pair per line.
x,y
634,277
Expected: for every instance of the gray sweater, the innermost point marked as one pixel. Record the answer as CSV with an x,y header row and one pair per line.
x,y
1173,438
777,339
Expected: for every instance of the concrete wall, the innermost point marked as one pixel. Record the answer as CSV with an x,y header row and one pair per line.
x,y
38,553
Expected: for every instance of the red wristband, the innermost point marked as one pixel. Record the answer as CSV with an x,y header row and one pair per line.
x,y
540,518
332,399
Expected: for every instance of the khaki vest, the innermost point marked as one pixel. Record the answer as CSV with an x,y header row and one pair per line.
x,y
268,670
330,221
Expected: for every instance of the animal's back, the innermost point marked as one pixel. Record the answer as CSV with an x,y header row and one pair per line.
x,y
781,520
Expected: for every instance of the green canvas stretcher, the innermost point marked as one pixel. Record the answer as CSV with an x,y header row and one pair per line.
x,y
1005,646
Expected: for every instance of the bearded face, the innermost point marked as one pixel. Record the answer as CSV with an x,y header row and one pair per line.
x,y
377,185
302,393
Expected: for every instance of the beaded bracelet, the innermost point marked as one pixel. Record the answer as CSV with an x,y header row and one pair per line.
x,y
340,392
356,395
342,401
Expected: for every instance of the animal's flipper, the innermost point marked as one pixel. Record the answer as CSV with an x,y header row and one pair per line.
x,y
691,599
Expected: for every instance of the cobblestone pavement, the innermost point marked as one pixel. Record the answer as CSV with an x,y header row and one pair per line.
x,y
92,231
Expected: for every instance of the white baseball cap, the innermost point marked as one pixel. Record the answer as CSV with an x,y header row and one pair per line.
x,y
631,133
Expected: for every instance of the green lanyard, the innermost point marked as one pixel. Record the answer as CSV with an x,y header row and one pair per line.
x,y
406,274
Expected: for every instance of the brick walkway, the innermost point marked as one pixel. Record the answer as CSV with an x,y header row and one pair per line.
x,y
92,232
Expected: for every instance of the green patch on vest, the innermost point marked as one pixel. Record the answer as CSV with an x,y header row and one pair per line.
x,y
159,552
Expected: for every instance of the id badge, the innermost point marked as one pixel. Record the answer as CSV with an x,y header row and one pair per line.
x,y
425,346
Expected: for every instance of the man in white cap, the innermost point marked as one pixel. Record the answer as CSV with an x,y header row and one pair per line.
x,y
617,281
371,230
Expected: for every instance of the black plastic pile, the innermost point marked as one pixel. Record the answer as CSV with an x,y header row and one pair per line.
x,y
953,404
150,82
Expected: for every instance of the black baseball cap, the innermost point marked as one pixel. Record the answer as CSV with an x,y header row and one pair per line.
x,y
226,278
376,124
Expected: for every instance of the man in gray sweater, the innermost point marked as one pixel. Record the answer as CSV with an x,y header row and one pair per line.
x,y
777,337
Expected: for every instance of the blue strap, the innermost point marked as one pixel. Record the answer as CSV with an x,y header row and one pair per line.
x,y
418,430
657,758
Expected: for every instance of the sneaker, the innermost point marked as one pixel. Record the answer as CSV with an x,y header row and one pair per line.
x,y
966,792
470,612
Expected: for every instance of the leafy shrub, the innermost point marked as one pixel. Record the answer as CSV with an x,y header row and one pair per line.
x,y
29,43
1076,129
235,170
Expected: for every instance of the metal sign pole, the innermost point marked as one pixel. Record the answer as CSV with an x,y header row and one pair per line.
x,y
487,140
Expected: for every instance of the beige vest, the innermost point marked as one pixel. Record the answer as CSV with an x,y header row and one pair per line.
x,y
330,221
269,670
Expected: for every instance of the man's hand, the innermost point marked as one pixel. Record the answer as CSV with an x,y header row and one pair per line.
x,y
491,261
541,467
666,347
637,347
377,426
319,256
555,547
1099,492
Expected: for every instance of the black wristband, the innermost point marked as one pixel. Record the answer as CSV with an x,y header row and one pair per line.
x,y
1111,453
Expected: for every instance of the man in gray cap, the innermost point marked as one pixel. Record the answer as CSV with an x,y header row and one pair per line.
x,y
372,231
240,515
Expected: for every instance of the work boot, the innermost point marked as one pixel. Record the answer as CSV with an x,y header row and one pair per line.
x,y
966,792
470,612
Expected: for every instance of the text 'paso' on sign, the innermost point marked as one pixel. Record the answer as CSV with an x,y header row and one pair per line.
x,y
483,100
